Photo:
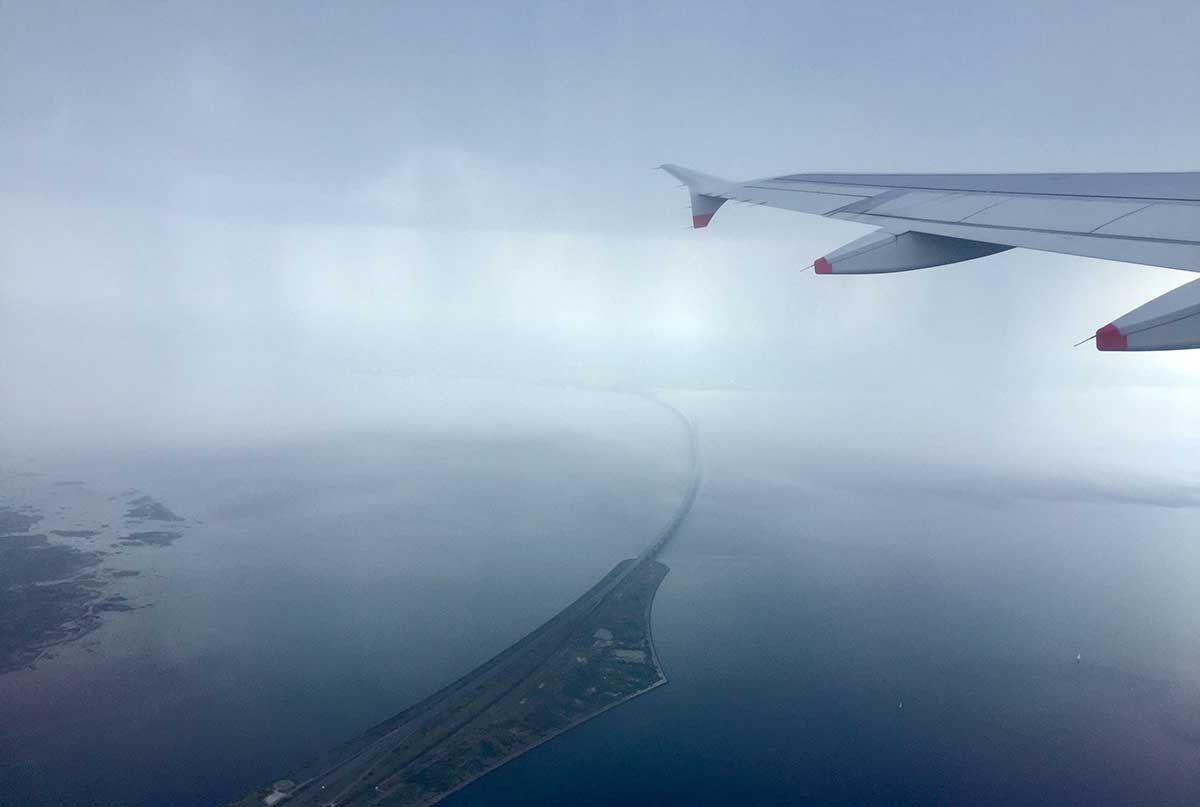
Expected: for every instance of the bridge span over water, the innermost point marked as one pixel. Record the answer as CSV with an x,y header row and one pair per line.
x,y
595,654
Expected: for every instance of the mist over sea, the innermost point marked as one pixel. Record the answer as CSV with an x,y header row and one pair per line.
x,y
828,645
837,625
369,296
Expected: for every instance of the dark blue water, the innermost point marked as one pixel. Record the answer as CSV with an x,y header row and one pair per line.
x,y
831,675
331,580
834,646
824,644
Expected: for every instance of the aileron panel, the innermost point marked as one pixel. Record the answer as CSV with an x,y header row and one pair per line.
x,y
1173,222
1064,215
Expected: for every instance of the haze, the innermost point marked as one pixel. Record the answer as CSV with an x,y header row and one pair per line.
x,y
200,204
231,226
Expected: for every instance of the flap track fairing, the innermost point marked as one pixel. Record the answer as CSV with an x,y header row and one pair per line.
x,y
882,251
1168,322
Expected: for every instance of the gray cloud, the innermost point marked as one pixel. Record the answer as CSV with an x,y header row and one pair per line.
x,y
211,213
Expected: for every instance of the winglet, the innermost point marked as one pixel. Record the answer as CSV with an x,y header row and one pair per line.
x,y
707,192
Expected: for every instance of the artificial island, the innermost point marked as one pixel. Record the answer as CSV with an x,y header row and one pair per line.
x,y
593,655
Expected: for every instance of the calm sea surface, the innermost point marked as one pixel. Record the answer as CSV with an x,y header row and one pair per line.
x,y
823,643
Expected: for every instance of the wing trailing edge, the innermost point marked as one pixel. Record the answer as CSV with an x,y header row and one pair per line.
x,y
936,219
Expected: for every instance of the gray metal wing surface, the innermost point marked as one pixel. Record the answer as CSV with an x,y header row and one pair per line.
x,y
935,219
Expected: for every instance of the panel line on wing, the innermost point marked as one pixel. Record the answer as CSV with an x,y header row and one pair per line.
x,y
1123,215
967,219
807,190
1154,325
1023,229
871,202
1018,193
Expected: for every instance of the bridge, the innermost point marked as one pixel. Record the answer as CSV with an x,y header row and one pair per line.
x,y
590,657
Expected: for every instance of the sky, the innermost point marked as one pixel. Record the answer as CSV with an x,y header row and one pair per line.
x,y
215,219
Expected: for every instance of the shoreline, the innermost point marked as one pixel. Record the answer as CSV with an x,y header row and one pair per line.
x,y
663,681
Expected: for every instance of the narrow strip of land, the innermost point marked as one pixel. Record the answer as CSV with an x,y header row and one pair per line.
x,y
594,654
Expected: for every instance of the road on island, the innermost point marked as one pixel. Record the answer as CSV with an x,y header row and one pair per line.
x,y
351,778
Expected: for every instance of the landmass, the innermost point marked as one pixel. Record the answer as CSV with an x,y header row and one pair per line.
x,y
150,538
595,654
144,507
13,520
56,591
46,591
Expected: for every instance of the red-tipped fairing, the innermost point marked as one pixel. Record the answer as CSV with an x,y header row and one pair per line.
x,y
1168,322
881,252
1110,338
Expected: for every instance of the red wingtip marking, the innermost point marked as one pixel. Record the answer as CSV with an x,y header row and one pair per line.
x,y
822,267
1109,338
701,220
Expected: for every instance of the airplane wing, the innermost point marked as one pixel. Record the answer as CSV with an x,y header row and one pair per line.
x,y
935,219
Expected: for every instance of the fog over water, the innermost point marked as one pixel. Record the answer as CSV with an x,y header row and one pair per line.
x,y
826,576
330,581
370,298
